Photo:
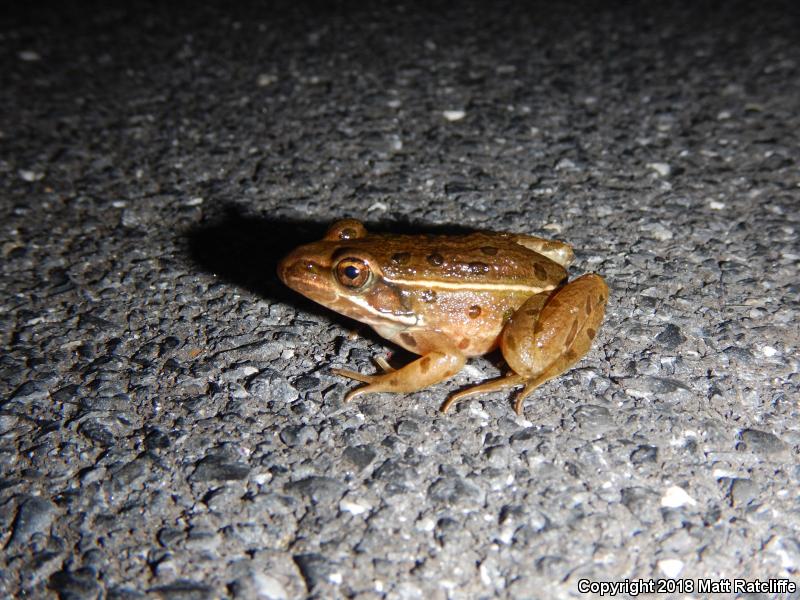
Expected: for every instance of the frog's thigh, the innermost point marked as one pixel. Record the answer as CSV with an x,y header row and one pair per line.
x,y
427,370
545,337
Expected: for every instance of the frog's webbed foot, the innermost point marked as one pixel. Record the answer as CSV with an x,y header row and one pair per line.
x,y
426,370
495,385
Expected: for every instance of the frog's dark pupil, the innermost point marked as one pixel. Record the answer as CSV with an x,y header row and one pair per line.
x,y
351,272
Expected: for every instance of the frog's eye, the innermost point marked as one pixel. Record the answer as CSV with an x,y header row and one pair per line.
x,y
353,273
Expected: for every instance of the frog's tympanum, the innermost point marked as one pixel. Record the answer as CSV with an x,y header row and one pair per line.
x,y
447,298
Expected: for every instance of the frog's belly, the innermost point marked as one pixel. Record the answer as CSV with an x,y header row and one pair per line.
x,y
423,341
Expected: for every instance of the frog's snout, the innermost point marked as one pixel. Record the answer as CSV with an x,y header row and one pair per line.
x,y
293,267
302,271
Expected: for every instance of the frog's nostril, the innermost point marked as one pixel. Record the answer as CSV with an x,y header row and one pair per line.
x,y
292,269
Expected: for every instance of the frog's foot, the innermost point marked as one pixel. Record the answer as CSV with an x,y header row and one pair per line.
x,y
426,370
503,383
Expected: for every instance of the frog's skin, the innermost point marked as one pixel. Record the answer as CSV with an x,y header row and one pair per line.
x,y
447,298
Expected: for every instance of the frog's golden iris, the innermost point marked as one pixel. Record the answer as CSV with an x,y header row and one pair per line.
x,y
353,273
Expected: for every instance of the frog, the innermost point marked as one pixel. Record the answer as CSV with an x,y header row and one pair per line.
x,y
447,298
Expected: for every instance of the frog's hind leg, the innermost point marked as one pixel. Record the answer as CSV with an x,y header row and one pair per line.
x,y
426,370
547,336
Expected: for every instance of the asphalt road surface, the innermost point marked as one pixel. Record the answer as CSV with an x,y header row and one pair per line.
x,y
169,425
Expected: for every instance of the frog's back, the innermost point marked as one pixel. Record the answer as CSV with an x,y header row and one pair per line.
x,y
475,258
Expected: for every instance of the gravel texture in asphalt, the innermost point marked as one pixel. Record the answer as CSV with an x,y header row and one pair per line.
x,y
169,425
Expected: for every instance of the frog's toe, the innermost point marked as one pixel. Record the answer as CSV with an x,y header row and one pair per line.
x,y
531,385
385,366
354,375
379,360
375,383
353,393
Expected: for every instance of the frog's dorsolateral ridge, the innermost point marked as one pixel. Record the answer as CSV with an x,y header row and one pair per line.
x,y
447,298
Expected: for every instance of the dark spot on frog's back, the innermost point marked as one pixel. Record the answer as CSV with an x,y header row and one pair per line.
x,y
401,258
425,364
489,250
436,259
408,339
474,311
477,268
539,271
463,344
591,333
589,306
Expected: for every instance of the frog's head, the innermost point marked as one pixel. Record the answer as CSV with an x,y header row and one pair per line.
x,y
341,273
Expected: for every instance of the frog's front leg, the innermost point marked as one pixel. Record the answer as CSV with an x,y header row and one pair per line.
x,y
426,370
548,334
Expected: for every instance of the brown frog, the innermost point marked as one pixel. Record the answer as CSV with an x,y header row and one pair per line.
x,y
447,298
